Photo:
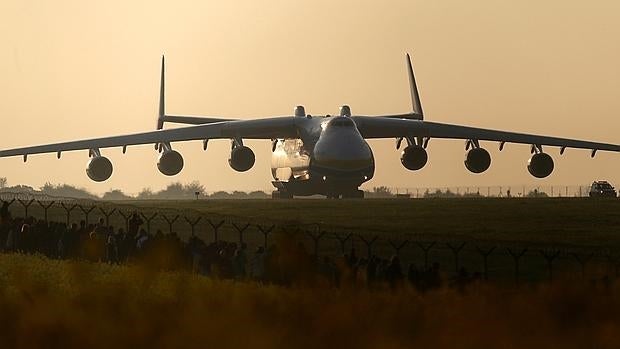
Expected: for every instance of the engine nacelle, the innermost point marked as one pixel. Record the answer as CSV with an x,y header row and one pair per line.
x,y
241,158
170,162
540,165
99,168
414,157
477,160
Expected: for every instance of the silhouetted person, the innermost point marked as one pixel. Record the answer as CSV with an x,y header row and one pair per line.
x,y
394,272
5,214
134,224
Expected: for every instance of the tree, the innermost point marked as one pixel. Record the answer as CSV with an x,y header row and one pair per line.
x,y
68,191
145,194
116,194
3,182
194,187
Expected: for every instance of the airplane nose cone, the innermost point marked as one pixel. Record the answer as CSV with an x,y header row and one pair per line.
x,y
343,153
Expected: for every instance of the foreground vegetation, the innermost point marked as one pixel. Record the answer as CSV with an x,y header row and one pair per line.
x,y
56,304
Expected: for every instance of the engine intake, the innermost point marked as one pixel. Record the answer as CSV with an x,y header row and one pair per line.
x,y
540,165
414,157
477,160
241,158
99,168
170,163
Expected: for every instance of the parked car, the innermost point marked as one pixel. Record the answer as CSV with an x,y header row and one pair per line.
x,y
602,189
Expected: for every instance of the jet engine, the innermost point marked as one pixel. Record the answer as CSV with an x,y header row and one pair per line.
x,y
99,168
477,160
540,165
413,157
170,162
241,158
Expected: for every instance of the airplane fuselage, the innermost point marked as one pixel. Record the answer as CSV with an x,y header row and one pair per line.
x,y
330,158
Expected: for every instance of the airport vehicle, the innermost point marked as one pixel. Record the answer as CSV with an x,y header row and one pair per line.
x,y
602,189
325,155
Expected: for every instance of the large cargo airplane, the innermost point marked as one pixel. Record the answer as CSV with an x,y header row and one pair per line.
x,y
325,155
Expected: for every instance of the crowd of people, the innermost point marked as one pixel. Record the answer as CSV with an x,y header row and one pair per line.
x,y
285,262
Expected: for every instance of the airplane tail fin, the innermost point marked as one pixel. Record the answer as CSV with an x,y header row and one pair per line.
x,y
416,105
162,100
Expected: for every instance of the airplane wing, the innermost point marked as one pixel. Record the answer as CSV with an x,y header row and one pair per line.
x,y
269,128
382,127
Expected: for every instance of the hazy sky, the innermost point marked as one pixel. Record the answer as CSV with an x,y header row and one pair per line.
x,y
81,69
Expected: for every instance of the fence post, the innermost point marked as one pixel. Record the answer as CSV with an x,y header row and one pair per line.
x,y
86,212
148,220
398,247
582,262
68,209
107,214
516,256
266,231
170,221
368,243
216,226
426,249
240,229
26,205
342,239
549,256
46,207
193,224
456,250
316,238
126,217
8,202
485,260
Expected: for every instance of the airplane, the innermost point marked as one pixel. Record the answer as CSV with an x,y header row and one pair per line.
x,y
325,155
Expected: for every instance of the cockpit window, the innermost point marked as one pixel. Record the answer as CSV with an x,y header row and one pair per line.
x,y
341,122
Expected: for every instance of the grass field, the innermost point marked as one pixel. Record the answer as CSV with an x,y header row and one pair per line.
x,y
569,221
56,304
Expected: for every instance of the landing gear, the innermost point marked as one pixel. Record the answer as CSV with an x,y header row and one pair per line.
x,y
281,194
356,194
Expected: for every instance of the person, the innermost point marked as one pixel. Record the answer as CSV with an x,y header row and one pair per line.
x,y
239,262
412,274
134,224
101,230
394,273
111,248
13,238
5,214
258,264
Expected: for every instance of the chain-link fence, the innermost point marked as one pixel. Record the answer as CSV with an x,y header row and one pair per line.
x,y
493,260
494,191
